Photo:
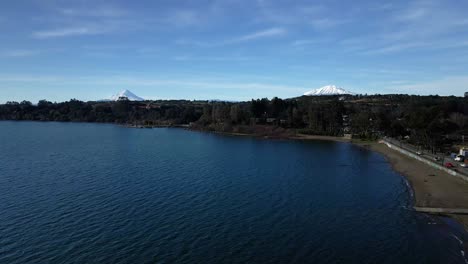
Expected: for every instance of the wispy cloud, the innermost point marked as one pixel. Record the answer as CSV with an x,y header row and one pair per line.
x,y
306,42
424,21
394,48
379,6
253,36
82,21
19,53
457,86
414,45
292,13
207,84
129,81
299,14
412,14
183,18
212,58
67,32
271,32
419,25
100,12
326,23
213,87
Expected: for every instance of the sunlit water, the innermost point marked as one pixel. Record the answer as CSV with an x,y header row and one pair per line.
x,y
89,193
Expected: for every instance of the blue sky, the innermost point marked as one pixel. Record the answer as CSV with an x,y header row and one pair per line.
x,y
230,49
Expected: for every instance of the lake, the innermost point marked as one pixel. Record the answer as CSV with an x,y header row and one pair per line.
x,y
94,193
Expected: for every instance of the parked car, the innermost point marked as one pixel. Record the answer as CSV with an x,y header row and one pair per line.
x,y
460,158
419,153
449,165
464,165
436,158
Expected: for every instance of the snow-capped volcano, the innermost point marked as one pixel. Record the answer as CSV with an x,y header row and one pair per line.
x,y
129,95
328,90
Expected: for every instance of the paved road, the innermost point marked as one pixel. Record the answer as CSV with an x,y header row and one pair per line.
x,y
429,156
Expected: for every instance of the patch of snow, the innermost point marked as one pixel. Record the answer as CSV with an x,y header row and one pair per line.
x,y
328,90
126,93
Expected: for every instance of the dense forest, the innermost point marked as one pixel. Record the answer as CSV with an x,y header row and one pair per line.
x,y
430,121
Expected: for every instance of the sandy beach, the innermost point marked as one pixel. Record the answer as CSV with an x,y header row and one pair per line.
x,y
432,187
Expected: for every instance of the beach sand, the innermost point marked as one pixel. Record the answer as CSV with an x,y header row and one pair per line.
x,y
432,187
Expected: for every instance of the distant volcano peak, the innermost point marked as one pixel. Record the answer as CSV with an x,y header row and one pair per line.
x,y
126,94
328,90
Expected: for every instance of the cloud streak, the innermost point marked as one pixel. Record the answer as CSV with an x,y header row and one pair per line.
x,y
19,53
253,36
130,81
212,58
300,14
183,18
326,23
67,32
434,87
100,12
268,33
78,21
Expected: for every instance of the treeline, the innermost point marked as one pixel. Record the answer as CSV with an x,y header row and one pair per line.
x,y
122,112
430,121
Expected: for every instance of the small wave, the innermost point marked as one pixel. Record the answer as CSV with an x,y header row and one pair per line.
x,y
458,239
410,189
462,252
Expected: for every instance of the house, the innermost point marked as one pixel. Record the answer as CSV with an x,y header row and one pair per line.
x,y
271,120
463,152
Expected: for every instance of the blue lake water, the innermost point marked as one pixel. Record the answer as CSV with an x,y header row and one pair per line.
x,y
93,193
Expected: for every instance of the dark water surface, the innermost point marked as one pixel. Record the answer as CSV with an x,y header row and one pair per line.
x,y
87,193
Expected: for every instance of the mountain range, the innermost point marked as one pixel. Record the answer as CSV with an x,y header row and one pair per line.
x,y
323,91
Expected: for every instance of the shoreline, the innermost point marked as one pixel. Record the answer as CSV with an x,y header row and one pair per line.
x,y
430,187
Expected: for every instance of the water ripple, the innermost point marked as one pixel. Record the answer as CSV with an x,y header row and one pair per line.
x,y
105,194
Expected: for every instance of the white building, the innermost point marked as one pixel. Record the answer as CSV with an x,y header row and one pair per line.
x,y
464,152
